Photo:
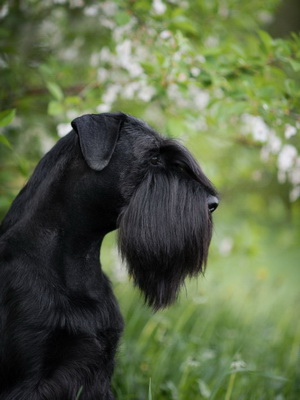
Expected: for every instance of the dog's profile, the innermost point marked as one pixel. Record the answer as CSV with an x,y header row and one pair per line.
x,y
59,320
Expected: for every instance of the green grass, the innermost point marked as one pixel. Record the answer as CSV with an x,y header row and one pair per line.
x,y
233,334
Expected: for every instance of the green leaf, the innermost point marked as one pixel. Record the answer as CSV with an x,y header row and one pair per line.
x,y
148,67
183,24
205,78
5,141
55,108
6,117
176,126
290,87
23,166
55,90
295,65
266,39
283,49
122,18
72,100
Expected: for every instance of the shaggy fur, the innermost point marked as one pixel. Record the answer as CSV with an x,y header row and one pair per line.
x,y
59,320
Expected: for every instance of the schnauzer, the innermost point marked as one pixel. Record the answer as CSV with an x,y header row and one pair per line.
x,y
59,320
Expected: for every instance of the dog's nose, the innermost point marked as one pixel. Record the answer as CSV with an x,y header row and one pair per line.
x,y
212,202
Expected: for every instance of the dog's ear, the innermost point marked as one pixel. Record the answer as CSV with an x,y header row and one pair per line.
x,y
98,135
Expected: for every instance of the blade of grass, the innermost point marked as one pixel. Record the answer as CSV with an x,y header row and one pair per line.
x,y
150,390
79,393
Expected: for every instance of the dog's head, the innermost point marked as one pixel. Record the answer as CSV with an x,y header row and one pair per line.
x,y
166,201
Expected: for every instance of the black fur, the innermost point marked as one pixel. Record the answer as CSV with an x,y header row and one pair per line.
x,y
59,320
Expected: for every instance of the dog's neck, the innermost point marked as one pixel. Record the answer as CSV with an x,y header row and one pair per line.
x,y
70,253
55,219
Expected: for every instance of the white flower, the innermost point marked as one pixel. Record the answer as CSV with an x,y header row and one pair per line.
x,y
289,131
257,126
195,71
46,144
108,23
91,11
109,8
295,193
76,3
106,55
4,11
197,123
123,31
3,63
71,114
177,56
123,51
273,146
287,157
260,130
63,129
204,389
159,7
294,176
146,93
165,34
103,108
111,94
211,41
134,69
200,58
129,90
125,59
102,74
182,77
191,362
226,246
175,95
223,11
265,17
265,153
71,53
208,354
281,176
199,97
239,364
94,60
274,143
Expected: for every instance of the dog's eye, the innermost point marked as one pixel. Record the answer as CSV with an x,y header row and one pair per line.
x,y
181,167
154,160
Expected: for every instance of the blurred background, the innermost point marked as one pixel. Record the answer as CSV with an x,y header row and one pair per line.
x,y
223,76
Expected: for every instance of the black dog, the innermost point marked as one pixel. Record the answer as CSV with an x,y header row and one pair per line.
x,y
59,320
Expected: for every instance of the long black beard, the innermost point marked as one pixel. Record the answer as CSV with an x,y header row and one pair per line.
x,y
164,234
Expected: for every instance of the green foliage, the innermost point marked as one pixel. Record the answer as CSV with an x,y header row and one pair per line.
x,y
6,117
232,335
208,72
